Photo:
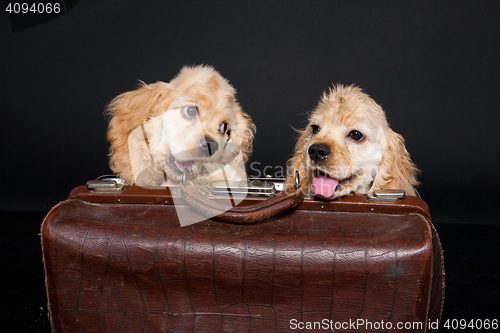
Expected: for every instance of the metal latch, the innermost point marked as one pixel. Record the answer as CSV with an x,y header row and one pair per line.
x,y
106,185
244,187
386,195
279,183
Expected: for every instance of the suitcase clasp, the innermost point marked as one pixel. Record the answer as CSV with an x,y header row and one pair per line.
x,y
386,195
106,185
243,187
266,186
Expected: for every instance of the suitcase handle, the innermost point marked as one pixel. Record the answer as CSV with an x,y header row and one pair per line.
x,y
286,200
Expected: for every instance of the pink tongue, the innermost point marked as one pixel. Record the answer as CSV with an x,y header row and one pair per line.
x,y
324,185
183,165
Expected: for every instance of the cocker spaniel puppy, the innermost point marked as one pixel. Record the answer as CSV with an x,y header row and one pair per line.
x,y
193,122
348,147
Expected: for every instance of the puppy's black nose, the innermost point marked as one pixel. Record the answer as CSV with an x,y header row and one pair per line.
x,y
208,146
318,152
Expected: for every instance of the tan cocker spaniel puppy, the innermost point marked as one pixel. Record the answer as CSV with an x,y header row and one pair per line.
x,y
348,147
193,122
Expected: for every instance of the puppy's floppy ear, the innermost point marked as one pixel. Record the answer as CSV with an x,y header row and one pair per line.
x,y
396,170
244,133
128,111
131,108
297,162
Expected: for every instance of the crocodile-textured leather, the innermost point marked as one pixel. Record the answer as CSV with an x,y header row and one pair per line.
x,y
132,268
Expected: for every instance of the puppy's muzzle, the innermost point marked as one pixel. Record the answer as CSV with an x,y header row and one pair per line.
x,y
208,146
318,152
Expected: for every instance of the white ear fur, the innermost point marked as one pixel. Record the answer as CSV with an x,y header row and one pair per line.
x,y
128,111
244,133
396,170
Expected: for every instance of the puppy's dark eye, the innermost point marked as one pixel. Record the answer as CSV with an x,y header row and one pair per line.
x,y
190,111
315,129
356,136
223,128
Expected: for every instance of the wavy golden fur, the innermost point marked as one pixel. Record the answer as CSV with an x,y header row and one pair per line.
x,y
159,129
348,144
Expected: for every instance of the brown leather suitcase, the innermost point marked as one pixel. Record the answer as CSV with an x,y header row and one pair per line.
x,y
121,262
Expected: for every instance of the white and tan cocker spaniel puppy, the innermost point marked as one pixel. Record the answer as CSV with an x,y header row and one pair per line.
x,y
348,147
193,122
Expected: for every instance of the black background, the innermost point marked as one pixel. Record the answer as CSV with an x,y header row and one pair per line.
x,y
433,66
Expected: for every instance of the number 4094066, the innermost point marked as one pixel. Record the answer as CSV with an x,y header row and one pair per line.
x,y
35,8
478,324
